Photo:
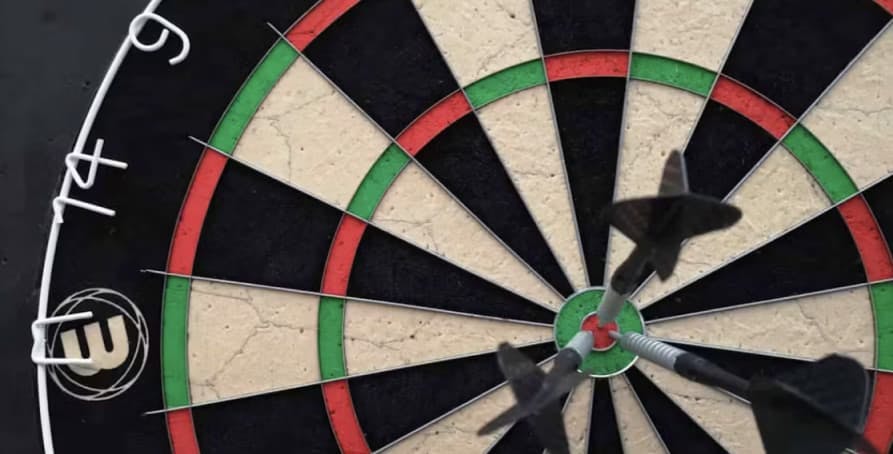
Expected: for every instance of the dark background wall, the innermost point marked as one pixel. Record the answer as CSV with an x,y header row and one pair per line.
x,y
53,54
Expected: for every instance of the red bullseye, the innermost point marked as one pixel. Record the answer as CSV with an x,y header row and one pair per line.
x,y
601,339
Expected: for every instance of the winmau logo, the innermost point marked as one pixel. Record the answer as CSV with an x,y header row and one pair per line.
x,y
115,339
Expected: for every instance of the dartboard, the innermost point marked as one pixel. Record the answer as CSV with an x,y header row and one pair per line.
x,y
298,226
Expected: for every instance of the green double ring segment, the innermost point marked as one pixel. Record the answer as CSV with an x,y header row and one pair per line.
x,y
605,363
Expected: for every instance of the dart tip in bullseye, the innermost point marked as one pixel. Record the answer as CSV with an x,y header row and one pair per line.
x,y
615,335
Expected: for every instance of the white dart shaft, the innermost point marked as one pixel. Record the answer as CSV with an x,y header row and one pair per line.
x,y
610,306
581,343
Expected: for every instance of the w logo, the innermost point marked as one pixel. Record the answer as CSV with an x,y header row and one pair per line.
x,y
103,359
115,340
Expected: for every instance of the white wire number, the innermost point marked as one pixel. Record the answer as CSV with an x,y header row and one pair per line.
x,y
139,21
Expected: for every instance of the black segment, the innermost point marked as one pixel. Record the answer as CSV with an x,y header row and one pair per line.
x,y
589,114
818,255
791,50
521,438
289,421
604,435
261,231
148,113
679,432
880,200
724,147
392,404
381,55
462,158
389,269
568,25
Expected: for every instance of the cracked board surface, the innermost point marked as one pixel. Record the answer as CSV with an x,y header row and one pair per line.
x,y
807,327
695,32
378,337
309,135
725,418
576,417
636,431
482,37
245,340
417,208
457,432
458,429
524,136
854,119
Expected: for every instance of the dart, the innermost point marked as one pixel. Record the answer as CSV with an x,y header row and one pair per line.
x,y
659,225
818,408
538,392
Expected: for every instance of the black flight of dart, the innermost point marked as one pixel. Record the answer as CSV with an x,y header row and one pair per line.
x,y
818,408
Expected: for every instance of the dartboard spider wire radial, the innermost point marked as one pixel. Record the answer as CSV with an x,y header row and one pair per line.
x,y
377,193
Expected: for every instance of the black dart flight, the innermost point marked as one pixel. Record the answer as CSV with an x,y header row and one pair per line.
x,y
819,408
659,225
538,392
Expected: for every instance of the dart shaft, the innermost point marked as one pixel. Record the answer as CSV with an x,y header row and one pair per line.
x,y
571,356
686,364
622,284
698,369
610,306
581,344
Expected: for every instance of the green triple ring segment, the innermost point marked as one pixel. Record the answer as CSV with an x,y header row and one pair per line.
x,y
605,363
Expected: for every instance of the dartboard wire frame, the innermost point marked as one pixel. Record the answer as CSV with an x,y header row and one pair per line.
x,y
367,222
557,134
455,410
474,111
348,98
348,431
865,285
39,330
797,121
606,275
223,400
320,294
591,385
85,130
394,141
644,412
720,66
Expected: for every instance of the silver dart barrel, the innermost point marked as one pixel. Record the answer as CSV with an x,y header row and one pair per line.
x,y
653,350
